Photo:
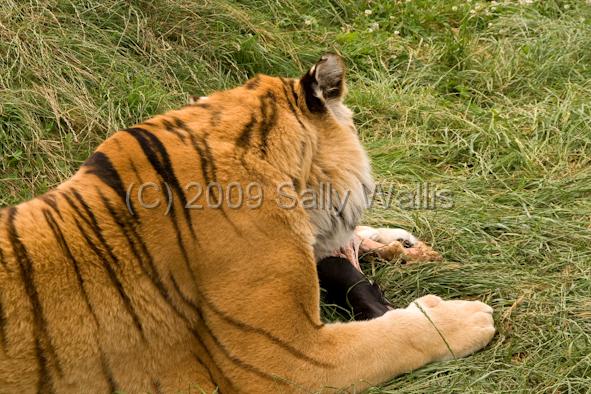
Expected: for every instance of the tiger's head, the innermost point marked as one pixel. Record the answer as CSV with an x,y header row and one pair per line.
x,y
300,131
339,167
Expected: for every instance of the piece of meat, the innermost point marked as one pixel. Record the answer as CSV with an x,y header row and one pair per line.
x,y
341,277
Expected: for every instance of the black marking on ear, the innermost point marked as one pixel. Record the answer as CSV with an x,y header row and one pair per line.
x,y
325,78
253,83
313,103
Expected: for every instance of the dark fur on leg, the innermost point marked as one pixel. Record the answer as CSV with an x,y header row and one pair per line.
x,y
347,287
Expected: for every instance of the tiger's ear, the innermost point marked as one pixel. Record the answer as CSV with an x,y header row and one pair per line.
x,y
324,82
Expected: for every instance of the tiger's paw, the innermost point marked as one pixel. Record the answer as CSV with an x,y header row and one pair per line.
x,y
395,243
420,251
456,328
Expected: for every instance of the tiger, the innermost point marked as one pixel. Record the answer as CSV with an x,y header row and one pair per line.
x,y
105,289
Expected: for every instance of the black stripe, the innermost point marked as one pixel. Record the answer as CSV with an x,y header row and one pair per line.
x,y
197,336
253,83
227,354
227,382
2,260
202,364
203,149
205,169
50,200
211,163
179,123
216,116
40,330
3,322
135,171
292,108
122,224
114,280
237,360
91,220
134,239
259,331
45,382
100,165
201,105
208,167
59,236
179,240
244,140
309,318
296,97
158,157
172,129
167,125
108,373
157,386
269,118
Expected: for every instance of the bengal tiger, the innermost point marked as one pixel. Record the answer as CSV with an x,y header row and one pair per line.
x,y
102,289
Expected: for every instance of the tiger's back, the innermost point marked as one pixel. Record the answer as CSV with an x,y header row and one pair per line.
x,y
99,291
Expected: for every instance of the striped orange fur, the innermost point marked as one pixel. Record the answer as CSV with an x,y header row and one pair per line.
x,y
99,293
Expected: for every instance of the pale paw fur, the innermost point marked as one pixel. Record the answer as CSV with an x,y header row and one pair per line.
x,y
386,235
467,326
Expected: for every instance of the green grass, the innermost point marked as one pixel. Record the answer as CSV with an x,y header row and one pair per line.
x,y
491,102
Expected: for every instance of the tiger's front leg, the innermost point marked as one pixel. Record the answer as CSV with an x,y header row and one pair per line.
x,y
365,353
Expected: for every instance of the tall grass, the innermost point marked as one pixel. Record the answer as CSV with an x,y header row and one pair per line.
x,y
489,100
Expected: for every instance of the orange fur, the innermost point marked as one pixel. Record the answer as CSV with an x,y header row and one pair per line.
x,y
96,299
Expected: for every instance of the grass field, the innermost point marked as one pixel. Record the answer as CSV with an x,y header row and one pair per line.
x,y
489,101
